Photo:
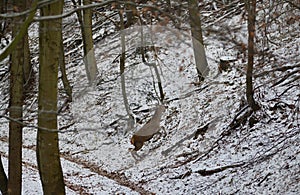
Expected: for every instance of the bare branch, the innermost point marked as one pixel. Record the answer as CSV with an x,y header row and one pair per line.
x,y
21,33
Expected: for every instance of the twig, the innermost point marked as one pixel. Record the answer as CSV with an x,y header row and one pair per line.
x,y
284,68
285,77
208,172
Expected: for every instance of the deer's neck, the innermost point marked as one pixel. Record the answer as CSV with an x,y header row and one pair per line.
x,y
157,115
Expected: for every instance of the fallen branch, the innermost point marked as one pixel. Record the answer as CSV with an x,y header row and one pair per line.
x,y
285,77
282,69
208,172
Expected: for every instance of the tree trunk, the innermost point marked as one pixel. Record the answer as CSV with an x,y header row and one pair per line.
x,y
85,21
159,83
251,8
62,66
3,7
49,165
88,44
131,12
3,179
130,122
15,108
27,66
197,40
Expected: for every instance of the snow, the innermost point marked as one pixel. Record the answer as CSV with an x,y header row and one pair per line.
x,y
261,158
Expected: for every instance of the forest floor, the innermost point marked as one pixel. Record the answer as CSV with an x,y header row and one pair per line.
x,y
211,142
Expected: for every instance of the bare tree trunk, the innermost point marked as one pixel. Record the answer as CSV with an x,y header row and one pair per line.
x,y
21,33
3,179
88,44
62,66
15,108
159,83
130,122
131,12
85,21
2,21
251,8
27,67
197,39
48,158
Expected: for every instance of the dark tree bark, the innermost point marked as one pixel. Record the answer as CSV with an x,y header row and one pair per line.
x,y
62,66
27,66
48,158
15,107
251,8
3,179
3,6
131,13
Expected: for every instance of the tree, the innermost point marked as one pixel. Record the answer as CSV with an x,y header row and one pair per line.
x,y
21,32
47,137
27,66
197,40
3,179
88,44
130,121
85,21
131,13
2,22
62,66
251,9
15,107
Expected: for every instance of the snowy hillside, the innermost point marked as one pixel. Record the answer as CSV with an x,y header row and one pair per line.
x,y
210,141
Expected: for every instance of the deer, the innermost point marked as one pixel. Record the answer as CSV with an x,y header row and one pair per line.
x,y
146,132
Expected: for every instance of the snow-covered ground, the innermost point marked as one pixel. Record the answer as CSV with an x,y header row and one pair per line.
x,y
260,156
